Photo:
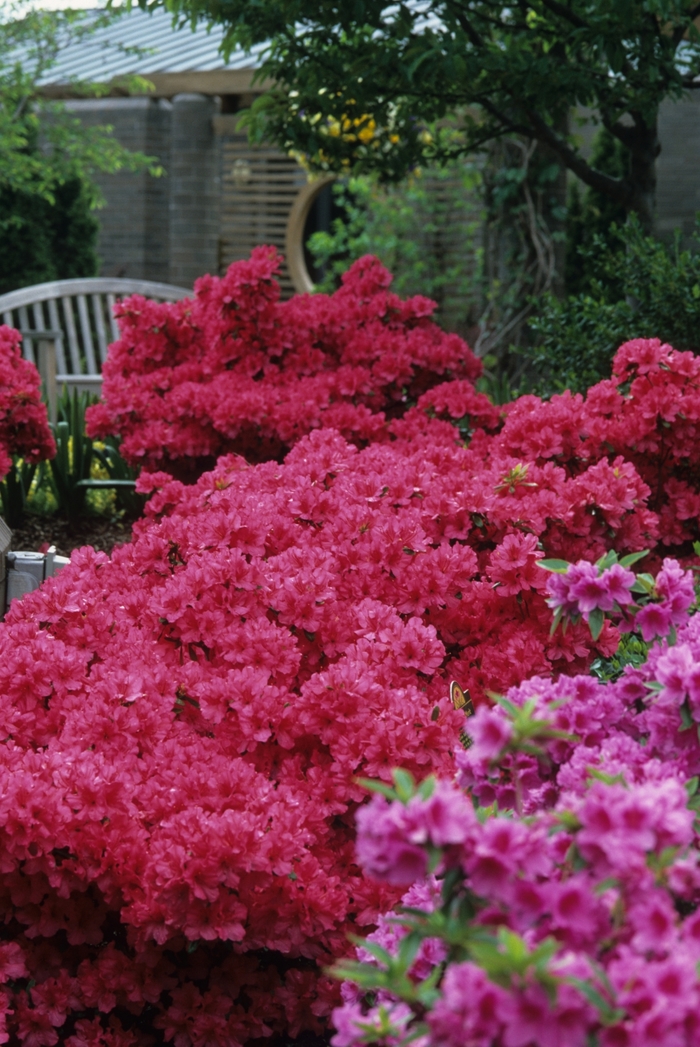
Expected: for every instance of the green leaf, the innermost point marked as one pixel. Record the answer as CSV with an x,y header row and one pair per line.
x,y
608,1014
606,561
556,621
632,558
377,787
378,952
596,619
405,784
558,566
686,717
427,787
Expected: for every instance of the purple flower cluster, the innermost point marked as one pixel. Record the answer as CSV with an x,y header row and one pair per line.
x,y
587,589
674,586
584,588
567,858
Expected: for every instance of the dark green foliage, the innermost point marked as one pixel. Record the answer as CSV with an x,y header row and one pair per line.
x,y
76,455
48,157
14,489
591,214
74,452
632,650
46,241
642,290
426,231
357,84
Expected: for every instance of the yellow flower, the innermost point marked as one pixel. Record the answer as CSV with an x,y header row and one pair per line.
x,y
366,134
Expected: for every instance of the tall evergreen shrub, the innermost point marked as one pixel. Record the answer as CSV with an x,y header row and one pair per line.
x,y
46,241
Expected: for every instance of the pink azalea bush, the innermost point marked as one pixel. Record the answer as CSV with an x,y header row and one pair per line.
x,y
185,722
555,886
24,429
647,413
236,369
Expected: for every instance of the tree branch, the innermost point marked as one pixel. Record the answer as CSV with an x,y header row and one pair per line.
x,y
680,32
467,27
509,125
614,188
625,134
564,12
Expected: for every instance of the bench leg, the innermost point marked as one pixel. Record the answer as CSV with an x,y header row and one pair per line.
x,y
47,370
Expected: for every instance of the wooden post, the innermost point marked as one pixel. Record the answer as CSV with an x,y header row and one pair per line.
x,y
46,359
47,370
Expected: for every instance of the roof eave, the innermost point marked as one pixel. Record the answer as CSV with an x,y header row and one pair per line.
x,y
166,85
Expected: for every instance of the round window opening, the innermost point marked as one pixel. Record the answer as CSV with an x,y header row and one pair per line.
x,y
314,210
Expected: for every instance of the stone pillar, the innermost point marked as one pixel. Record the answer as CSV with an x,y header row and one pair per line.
x,y
194,189
133,240
678,168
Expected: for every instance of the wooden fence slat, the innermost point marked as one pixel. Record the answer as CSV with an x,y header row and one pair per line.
x,y
98,313
55,324
111,302
27,343
73,346
88,345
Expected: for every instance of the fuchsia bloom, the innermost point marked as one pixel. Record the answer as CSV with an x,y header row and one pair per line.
x,y
392,838
24,429
184,723
584,588
603,868
236,369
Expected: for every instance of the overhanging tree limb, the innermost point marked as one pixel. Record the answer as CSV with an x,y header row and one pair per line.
x,y
602,183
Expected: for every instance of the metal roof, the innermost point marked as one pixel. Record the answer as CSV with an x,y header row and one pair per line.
x,y
162,48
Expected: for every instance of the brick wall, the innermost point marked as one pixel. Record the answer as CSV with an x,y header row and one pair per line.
x,y
194,189
134,228
678,167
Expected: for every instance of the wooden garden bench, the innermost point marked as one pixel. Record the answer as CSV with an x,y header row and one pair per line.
x,y
66,326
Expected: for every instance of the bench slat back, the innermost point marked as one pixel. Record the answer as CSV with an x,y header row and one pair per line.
x,y
85,319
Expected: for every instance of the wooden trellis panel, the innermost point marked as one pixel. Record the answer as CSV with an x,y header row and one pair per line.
x,y
258,187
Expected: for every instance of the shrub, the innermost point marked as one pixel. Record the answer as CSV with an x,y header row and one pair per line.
x,y
566,909
647,414
184,723
644,289
236,370
47,241
24,429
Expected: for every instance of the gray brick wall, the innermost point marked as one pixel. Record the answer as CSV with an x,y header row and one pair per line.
x,y
134,227
194,189
678,167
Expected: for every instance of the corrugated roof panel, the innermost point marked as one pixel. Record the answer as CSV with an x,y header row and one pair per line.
x,y
162,49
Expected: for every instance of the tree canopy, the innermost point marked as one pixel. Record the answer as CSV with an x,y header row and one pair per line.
x,y
363,84
42,144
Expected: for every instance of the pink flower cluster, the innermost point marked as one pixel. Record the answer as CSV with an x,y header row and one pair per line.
x,y
647,413
569,859
184,723
235,370
24,429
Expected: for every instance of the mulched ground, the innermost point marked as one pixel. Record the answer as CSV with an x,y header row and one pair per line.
x,y
100,532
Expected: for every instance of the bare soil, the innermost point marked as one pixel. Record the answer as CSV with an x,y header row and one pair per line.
x,y
38,532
